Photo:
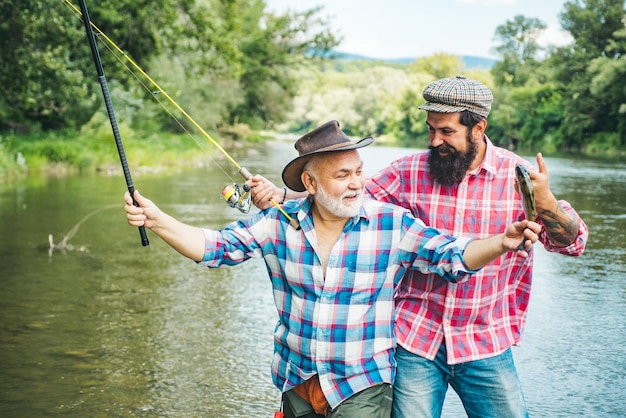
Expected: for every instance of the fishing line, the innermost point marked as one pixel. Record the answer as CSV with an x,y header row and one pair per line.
x,y
154,94
231,193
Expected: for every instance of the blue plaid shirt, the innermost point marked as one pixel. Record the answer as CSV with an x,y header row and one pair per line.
x,y
338,325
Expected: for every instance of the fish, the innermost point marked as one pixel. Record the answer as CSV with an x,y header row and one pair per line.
x,y
524,187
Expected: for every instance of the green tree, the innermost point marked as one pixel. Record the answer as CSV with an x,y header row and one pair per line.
x,y
410,122
272,47
527,117
363,97
518,50
593,25
439,65
229,53
39,82
47,77
607,82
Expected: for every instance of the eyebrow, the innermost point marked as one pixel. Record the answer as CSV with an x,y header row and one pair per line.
x,y
441,127
347,170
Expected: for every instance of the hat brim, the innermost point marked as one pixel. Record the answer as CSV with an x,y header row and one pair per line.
x,y
441,108
445,108
293,170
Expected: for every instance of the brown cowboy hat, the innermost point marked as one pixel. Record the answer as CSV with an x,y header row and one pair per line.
x,y
325,138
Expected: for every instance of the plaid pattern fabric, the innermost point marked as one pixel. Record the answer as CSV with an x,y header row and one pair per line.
x,y
484,316
456,94
340,325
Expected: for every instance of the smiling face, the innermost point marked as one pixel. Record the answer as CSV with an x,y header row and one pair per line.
x,y
336,181
454,148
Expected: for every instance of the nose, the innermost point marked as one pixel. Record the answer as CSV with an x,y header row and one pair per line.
x,y
434,138
357,181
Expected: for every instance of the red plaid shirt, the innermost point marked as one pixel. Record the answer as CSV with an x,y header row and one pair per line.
x,y
484,316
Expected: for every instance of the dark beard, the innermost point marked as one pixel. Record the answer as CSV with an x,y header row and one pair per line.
x,y
450,170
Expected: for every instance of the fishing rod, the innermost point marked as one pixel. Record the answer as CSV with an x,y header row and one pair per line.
x,y
231,193
107,99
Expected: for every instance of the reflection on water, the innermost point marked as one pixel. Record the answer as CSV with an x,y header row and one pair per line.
x,y
125,330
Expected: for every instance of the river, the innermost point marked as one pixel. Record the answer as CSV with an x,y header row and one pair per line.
x,y
109,328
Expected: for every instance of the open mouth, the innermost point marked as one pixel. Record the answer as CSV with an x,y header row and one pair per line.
x,y
352,197
445,152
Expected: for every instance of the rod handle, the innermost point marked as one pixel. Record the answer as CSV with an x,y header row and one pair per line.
x,y
142,229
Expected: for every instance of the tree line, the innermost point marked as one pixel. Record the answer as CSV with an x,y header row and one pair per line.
x,y
241,69
230,59
569,99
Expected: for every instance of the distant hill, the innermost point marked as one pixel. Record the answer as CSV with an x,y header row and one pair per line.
x,y
470,62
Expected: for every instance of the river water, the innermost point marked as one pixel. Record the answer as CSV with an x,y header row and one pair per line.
x,y
109,328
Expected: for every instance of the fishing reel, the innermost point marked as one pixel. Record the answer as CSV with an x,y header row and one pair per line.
x,y
236,199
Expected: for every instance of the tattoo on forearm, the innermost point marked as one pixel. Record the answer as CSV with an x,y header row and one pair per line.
x,y
561,227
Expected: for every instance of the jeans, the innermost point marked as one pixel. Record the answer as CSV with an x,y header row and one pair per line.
x,y
487,388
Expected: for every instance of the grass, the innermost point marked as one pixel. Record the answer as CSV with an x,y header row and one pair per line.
x,y
94,152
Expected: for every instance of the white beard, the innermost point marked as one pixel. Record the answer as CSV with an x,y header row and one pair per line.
x,y
337,206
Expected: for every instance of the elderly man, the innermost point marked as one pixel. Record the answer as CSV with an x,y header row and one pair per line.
x,y
334,278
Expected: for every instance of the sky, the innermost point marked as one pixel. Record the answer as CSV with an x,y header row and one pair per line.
x,y
388,29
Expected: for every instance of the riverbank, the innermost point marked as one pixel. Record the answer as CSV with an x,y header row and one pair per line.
x,y
61,154
69,153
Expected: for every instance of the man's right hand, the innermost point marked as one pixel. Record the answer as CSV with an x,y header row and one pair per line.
x,y
262,190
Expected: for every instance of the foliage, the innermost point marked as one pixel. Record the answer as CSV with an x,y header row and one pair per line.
x,y
410,122
573,98
363,101
593,26
238,69
269,54
40,82
519,50
608,75
531,122
12,164
372,98
440,65
93,150
228,57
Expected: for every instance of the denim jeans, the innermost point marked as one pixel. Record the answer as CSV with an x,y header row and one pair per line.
x,y
487,388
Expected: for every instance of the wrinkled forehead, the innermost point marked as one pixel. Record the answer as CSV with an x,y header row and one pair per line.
x,y
334,161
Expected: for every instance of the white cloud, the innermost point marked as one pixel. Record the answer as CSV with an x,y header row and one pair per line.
x,y
554,37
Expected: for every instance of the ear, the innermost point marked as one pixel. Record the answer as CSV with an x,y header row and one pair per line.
x,y
309,182
479,130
